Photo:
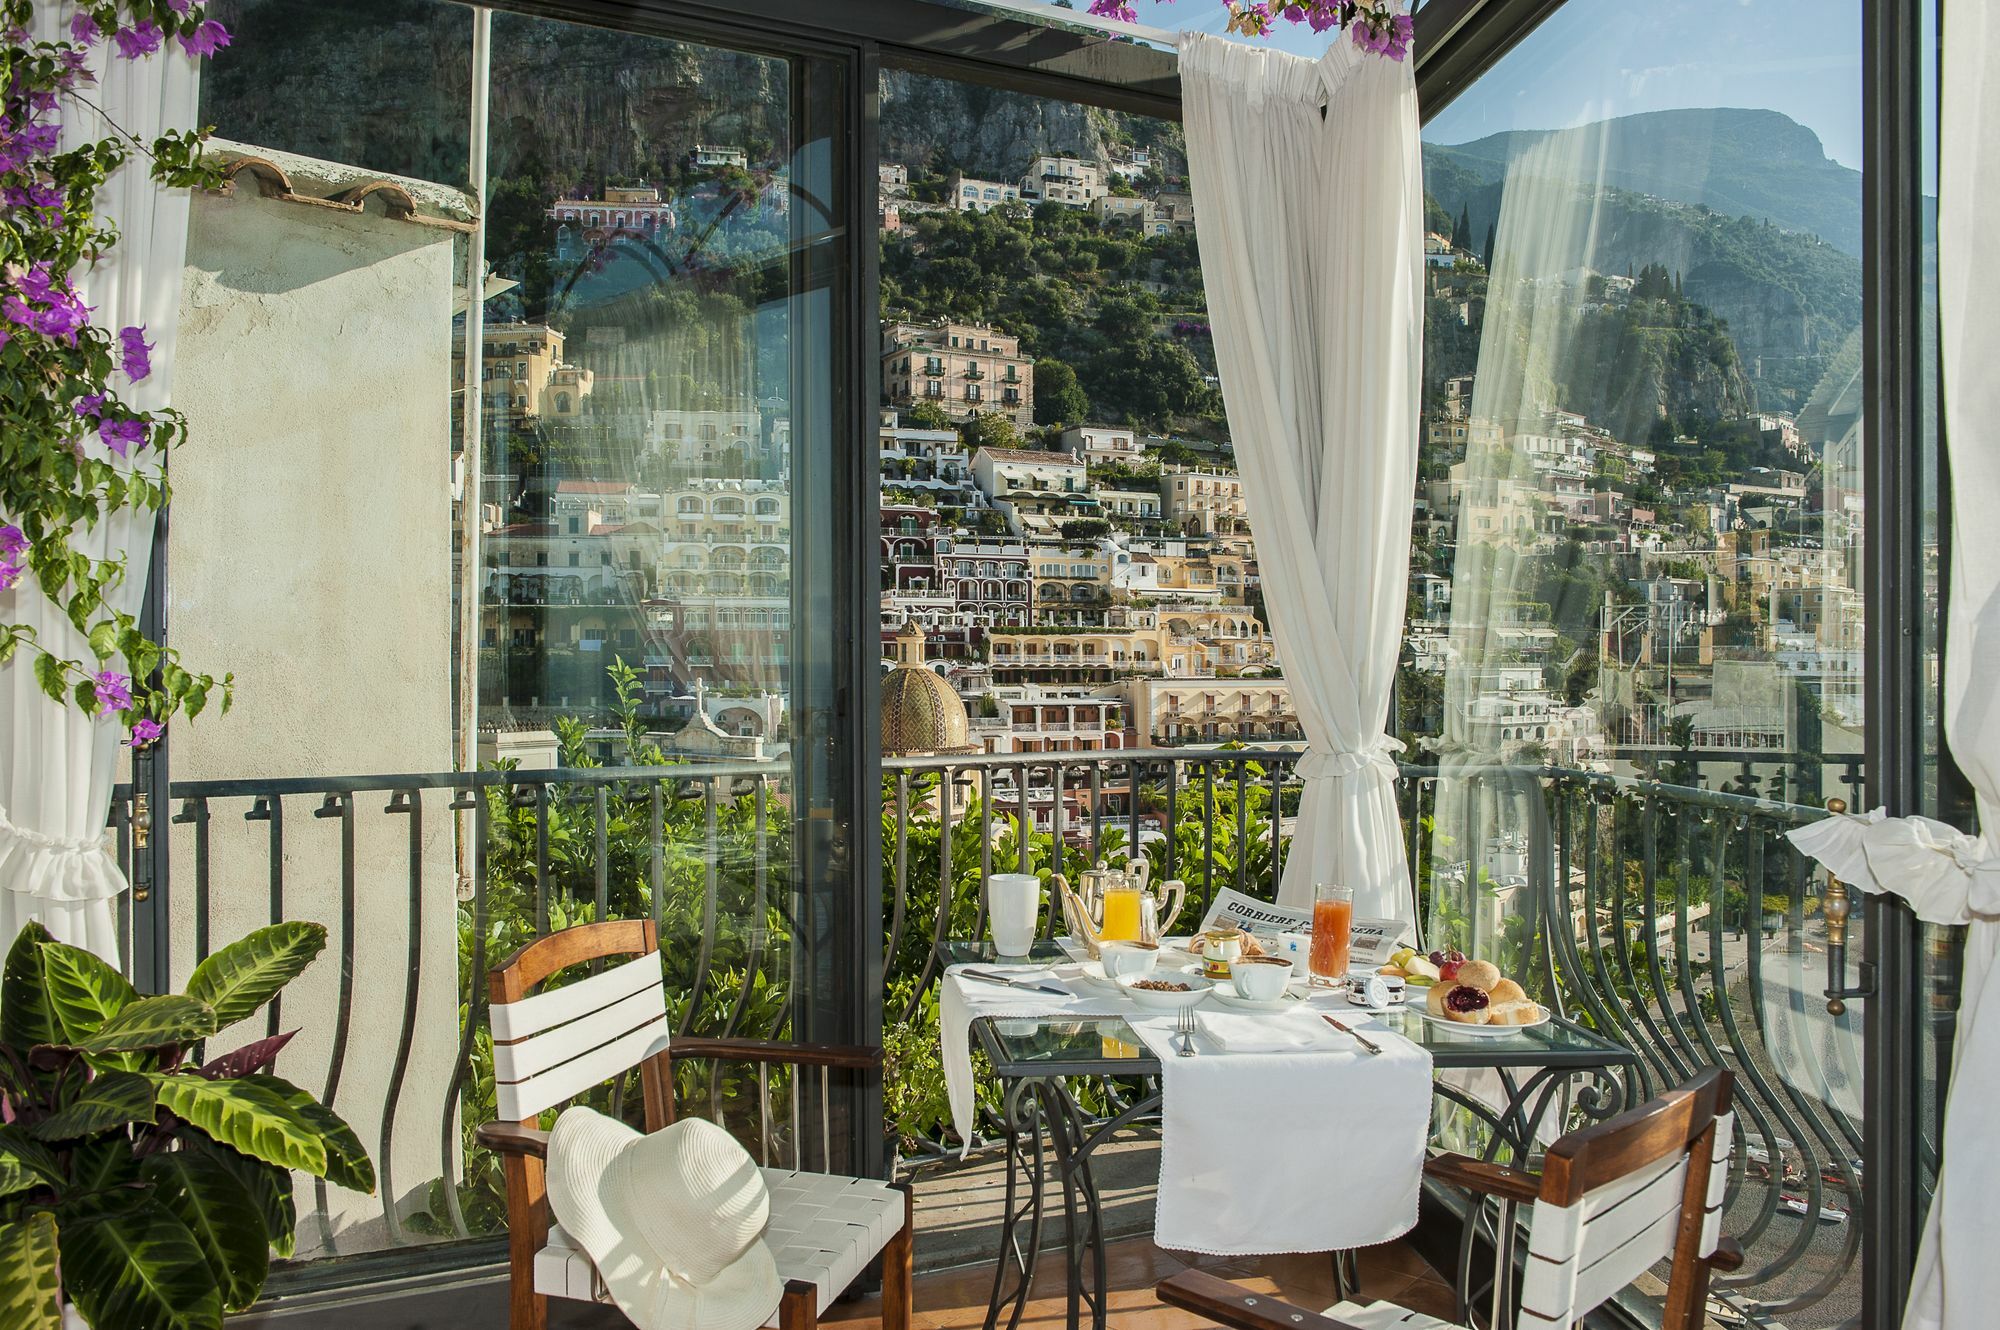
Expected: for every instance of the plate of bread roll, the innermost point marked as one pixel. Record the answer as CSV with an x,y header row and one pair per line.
x,y
1478,999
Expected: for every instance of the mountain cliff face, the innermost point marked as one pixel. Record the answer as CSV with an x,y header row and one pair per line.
x,y
1737,162
1702,193
992,133
385,84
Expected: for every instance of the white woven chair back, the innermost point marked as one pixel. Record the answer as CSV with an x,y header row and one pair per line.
x,y
1580,1255
553,1045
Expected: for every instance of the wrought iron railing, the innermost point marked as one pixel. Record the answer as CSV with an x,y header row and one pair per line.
x,y
1676,921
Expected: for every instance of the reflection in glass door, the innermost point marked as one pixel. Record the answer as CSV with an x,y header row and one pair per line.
x,y
1639,616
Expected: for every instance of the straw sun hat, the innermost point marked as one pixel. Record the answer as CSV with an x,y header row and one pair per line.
x,y
673,1220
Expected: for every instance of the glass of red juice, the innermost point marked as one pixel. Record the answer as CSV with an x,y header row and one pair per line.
x,y
1333,934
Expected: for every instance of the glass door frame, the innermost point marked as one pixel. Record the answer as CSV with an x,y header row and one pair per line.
x,y
1456,41
1894,126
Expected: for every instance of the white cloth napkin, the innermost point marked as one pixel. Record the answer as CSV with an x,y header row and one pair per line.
x,y
1307,1149
1315,1146
963,1000
1235,1032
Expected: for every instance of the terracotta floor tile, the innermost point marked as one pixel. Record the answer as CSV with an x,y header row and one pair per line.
x,y
1432,1297
956,1299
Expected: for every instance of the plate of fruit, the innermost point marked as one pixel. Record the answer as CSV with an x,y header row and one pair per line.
x,y
1418,971
1475,998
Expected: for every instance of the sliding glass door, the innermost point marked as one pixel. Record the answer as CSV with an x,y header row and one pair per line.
x,y
1668,533
524,368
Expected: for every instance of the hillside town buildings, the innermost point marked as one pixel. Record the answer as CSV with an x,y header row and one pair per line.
x,y
965,369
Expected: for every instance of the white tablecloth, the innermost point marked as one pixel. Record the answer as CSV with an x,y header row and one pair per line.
x,y
1315,1149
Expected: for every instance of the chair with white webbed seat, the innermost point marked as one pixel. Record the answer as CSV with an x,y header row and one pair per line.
x,y
551,1046
1612,1201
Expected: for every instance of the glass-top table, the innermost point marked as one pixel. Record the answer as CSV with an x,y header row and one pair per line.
x,y
1034,1057
1108,1046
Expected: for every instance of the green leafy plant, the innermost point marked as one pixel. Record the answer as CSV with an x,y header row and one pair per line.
x,y
144,1186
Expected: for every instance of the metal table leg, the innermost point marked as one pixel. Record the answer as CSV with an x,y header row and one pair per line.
x,y
1020,1114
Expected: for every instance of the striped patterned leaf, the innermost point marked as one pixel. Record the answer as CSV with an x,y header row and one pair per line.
x,y
247,973
347,1163
140,1267
226,1223
26,1016
269,1189
30,1287
153,1022
245,1116
84,992
26,1162
112,1100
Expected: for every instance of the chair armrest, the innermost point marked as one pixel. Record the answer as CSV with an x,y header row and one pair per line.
x,y
1227,1305
511,1138
775,1051
1509,1184
1727,1256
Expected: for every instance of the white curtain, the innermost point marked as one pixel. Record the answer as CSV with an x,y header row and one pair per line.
x,y
1948,877
1308,203
57,765
1957,1282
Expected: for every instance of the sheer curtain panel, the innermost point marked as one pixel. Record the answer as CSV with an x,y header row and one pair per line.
x,y
1308,204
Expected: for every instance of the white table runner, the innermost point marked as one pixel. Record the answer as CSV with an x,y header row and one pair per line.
x,y
1311,1149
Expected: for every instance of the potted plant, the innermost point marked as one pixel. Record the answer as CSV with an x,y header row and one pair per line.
x,y
139,1184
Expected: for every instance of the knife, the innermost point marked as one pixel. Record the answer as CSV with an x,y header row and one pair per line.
x,y
1359,1037
1029,985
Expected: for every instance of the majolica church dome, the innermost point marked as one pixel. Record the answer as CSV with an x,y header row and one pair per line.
x,y
921,713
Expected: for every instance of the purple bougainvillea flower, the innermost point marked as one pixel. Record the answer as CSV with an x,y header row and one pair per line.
x,y
90,406
207,39
180,6
138,352
139,40
114,692
36,283
83,29
145,732
12,545
1124,13
121,436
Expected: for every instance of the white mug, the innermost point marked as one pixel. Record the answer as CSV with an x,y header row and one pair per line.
x,y
1261,979
1013,901
1123,958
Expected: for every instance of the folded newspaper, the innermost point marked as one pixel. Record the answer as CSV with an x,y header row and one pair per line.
x,y
1373,939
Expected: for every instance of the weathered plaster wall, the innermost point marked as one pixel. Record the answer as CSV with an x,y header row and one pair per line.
x,y
310,553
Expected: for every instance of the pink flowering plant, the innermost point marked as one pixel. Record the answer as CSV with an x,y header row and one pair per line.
x,y
72,449
1371,24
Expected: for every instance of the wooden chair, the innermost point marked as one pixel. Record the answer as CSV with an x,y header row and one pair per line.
x,y
1611,1201
550,1046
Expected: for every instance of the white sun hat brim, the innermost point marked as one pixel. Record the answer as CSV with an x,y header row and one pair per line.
x,y
662,1218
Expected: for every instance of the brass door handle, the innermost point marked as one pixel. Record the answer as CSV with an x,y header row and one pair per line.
x,y
1835,907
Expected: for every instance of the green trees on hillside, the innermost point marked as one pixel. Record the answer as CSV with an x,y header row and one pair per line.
x,y
1100,301
1059,398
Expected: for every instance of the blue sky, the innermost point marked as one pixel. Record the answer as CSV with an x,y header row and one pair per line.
x,y
1598,58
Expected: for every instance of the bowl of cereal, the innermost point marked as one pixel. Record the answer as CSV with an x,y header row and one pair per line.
x,y
1165,990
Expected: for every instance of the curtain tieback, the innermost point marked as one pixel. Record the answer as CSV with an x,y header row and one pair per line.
x,y
1945,875
57,868
98,844
1380,751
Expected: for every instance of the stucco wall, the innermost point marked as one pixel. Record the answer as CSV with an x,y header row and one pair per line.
x,y
310,553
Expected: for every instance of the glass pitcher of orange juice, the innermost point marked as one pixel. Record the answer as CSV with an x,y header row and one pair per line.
x,y
1116,897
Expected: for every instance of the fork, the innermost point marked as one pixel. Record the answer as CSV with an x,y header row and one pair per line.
x,y
1184,1027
